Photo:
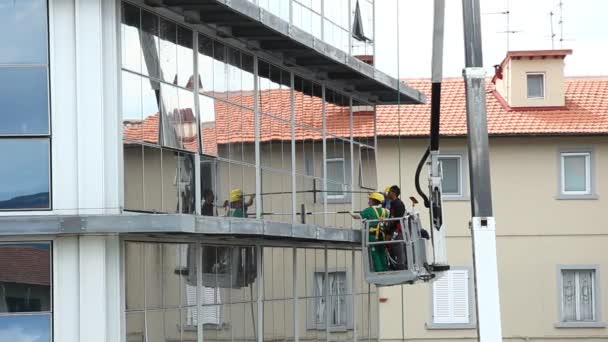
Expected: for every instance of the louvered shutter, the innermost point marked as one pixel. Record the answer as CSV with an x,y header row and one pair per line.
x,y
211,305
192,313
451,298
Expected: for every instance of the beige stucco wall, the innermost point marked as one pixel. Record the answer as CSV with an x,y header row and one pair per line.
x,y
514,87
536,232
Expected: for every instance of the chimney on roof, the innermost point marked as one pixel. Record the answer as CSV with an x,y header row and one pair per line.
x,y
534,78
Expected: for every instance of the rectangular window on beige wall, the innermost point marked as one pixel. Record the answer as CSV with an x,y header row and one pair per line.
x,y
536,85
576,173
451,182
579,300
453,301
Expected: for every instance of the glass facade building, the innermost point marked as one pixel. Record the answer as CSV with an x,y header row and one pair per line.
x,y
164,180
283,140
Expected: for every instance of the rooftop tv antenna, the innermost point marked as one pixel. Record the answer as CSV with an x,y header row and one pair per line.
x,y
561,24
507,31
551,14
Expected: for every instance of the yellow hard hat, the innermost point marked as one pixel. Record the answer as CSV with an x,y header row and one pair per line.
x,y
236,195
377,196
387,189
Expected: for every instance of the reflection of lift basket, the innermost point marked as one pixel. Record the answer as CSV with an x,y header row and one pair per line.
x,y
224,266
416,266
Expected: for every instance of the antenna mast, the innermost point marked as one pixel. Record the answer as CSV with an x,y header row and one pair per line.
x,y
561,24
551,14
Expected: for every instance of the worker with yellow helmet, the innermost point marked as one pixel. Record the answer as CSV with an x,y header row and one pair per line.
x,y
374,214
237,207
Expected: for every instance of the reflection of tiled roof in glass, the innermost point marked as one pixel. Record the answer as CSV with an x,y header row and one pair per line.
x,y
236,124
25,265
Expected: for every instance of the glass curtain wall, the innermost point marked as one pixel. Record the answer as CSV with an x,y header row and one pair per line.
x,y
316,146
26,308
25,131
345,24
179,291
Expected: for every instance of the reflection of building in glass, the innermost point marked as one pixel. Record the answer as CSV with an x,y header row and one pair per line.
x,y
183,167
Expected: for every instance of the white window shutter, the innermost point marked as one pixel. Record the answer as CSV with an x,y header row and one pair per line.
x,y
211,312
451,298
192,313
441,300
460,296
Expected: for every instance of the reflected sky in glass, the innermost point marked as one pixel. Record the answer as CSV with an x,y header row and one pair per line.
x,y
23,32
23,100
24,173
25,328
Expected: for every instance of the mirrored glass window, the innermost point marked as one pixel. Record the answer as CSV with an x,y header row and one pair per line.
x,y
23,32
24,174
24,100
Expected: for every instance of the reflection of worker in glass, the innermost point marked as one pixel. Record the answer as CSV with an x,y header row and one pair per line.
x,y
374,214
208,208
237,207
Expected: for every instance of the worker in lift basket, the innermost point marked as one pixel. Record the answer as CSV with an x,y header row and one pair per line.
x,y
237,206
374,215
395,230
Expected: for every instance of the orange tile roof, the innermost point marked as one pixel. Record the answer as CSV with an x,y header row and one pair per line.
x,y
585,112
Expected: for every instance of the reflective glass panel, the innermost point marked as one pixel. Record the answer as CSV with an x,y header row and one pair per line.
x,y
309,200
369,175
171,120
185,58
149,38
130,39
220,75
275,144
24,100
135,326
131,107
337,114
187,119
133,156
208,126
152,182
205,64
150,98
234,179
24,174
208,187
26,328
25,277
168,51
248,80
134,275
276,196
23,32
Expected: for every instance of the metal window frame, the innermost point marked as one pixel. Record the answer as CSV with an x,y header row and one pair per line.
x,y
463,194
598,321
589,153
587,156
350,323
431,325
543,87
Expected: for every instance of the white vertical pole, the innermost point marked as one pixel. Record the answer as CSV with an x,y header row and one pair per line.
x,y
296,309
324,134
260,301
258,164
482,222
92,288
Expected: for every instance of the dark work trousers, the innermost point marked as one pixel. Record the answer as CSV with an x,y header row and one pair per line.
x,y
397,252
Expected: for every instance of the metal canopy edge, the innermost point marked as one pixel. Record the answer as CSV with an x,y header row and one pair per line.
x,y
172,224
244,21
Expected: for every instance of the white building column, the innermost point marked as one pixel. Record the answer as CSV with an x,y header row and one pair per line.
x,y
84,69
86,289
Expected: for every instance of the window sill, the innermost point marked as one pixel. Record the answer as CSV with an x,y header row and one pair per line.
x,y
577,197
455,326
454,198
580,325
332,329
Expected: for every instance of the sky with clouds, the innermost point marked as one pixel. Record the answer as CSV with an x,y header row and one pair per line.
x,y
585,31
